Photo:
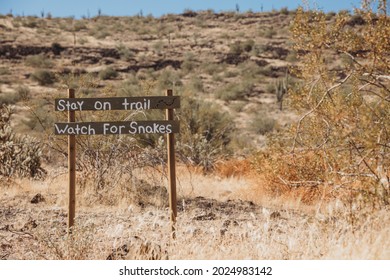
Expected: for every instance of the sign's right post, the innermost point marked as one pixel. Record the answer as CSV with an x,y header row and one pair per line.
x,y
171,171
72,169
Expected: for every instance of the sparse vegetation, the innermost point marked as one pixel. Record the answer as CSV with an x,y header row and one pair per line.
x,y
38,61
4,71
316,170
125,52
235,91
20,156
108,74
206,132
9,98
43,77
56,48
262,124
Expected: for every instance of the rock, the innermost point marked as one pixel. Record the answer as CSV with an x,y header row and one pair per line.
x,y
31,224
207,217
37,199
229,223
275,215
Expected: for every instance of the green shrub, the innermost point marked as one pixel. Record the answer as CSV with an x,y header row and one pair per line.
x,y
205,133
99,32
56,48
261,124
330,15
38,61
40,117
217,77
248,45
231,73
125,52
79,25
20,156
168,79
269,33
236,48
4,71
356,19
292,56
158,47
235,91
23,92
197,84
108,74
267,71
43,77
188,64
30,22
9,98
249,70
284,11
238,106
211,68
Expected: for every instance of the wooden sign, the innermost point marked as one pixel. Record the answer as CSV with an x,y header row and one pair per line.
x,y
72,128
117,103
110,128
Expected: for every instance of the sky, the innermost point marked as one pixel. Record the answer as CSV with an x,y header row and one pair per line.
x,y
90,8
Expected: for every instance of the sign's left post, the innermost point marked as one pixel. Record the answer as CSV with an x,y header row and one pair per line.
x,y
71,168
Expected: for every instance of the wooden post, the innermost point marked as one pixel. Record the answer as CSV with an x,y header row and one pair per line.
x,y
171,171
72,169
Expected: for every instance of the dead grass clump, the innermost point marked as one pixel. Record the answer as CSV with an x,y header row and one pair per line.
x,y
298,176
233,168
55,244
304,177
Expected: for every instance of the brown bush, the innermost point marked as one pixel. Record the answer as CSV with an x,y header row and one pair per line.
x,y
341,139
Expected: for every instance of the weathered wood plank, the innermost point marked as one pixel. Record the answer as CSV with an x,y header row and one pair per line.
x,y
117,103
110,128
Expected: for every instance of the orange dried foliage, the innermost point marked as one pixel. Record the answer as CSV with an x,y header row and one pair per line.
x,y
233,168
291,177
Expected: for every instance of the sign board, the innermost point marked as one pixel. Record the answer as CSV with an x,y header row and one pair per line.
x,y
112,128
72,128
117,103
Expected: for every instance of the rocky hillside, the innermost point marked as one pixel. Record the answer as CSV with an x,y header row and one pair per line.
x,y
234,60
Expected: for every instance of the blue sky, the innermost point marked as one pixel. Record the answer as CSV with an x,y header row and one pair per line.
x,y
79,8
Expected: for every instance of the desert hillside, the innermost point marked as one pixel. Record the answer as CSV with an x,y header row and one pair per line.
x,y
283,151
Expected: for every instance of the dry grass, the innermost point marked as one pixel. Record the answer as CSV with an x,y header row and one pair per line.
x,y
215,221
